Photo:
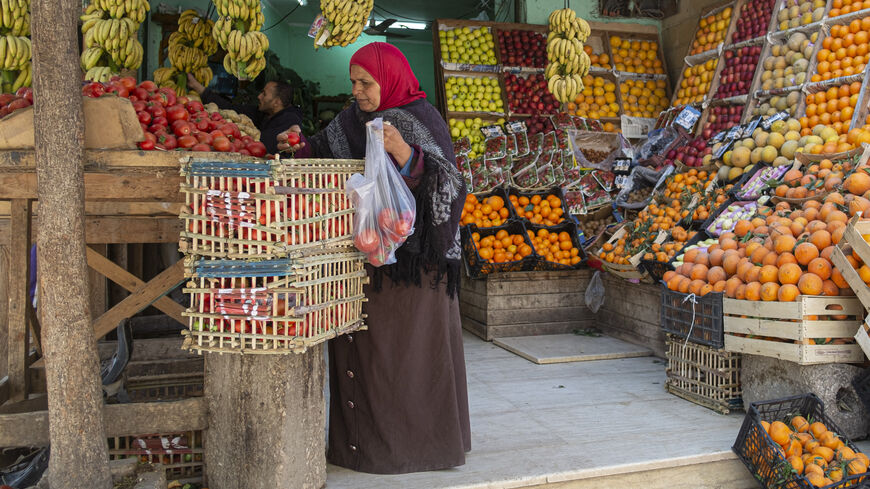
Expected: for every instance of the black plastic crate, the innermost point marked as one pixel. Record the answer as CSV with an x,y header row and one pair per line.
x,y
862,387
571,229
501,192
743,180
656,269
557,191
478,267
699,321
763,457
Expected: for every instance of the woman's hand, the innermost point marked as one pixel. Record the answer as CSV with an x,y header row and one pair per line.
x,y
291,139
395,145
195,85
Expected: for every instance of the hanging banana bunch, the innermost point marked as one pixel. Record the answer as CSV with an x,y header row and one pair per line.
x,y
111,29
347,19
238,33
15,67
189,49
568,62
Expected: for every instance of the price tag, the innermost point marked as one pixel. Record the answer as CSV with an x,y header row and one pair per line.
x,y
750,128
687,118
779,116
718,154
734,133
493,131
763,200
718,137
515,127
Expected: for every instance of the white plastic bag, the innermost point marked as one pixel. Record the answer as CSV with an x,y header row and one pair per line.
x,y
595,293
385,208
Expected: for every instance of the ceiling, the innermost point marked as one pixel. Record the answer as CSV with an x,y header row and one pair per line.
x,y
402,10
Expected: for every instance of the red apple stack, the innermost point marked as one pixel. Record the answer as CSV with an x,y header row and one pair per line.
x,y
690,154
721,117
753,21
529,95
736,77
536,124
523,48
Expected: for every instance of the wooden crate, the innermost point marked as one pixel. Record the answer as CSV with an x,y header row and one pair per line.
x,y
863,337
853,237
703,375
181,454
526,303
784,330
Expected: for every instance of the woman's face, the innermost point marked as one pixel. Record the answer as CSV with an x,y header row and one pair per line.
x,y
365,89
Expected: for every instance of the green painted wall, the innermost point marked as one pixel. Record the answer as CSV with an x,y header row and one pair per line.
x,y
539,10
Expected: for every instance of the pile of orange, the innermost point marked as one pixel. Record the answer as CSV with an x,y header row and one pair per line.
x,y
635,56
502,247
776,256
643,231
711,31
490,212
843,7
845,51
713,201
832,107
817,178
597,100
538,210
814,451
601,60
696,82
554,246
643,98
682,185
664,252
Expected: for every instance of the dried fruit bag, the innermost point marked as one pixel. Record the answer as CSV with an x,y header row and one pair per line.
x,y
385,208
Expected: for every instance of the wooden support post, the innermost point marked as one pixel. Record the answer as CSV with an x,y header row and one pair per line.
x,y
118,254
134,259
4,308
269,433
141,298
19,272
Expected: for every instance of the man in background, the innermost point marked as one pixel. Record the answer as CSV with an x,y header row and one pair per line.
x,y
273,114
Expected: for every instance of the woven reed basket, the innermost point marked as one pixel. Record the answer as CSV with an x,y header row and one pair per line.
x,y
269,255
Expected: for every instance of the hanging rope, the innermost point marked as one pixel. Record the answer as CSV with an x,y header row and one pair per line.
x,y
694,300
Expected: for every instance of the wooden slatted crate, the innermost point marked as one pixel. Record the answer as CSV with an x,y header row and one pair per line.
x,y
526,303
703,375
181,454
790,330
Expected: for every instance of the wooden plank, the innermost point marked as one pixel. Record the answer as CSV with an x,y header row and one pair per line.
x,y
475,327
107,159
132,283
19,272
791,330
115,208
31,429
4,390
501,318
98,285
126,185
543,286
851,275
4,304
108,230
514,302
863,339
140,299
800,354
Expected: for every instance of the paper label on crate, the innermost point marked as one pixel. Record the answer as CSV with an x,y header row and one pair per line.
x,y
718,137
493,131
734,133
718,154
687,118
763,199
750,128
515,127
779,116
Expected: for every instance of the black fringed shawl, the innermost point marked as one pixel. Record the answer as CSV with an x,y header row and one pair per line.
x,y
434,246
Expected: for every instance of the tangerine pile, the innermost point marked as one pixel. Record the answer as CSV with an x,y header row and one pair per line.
x,y
713,201
681,185
815,452
824,176
643,98
696,82
541,211
843,7
664,252
845,51
832,107
643,231
555,247
711,31
597,100
774,258
502,247
636,56
601,60
489,213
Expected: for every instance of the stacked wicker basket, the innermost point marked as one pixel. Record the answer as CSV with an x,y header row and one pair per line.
x,y
269,255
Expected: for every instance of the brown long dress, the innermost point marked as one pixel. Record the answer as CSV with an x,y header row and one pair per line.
x,y
398,399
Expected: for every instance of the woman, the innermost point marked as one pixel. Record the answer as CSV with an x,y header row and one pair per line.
x,y
398,400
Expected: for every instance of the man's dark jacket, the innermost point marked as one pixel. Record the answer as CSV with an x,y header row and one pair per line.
x,y
269,127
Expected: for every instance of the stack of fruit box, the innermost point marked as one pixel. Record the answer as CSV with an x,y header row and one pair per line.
x,y
269,255
854,239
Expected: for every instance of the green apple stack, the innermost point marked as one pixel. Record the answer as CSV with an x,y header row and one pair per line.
x,y
473,94
465,45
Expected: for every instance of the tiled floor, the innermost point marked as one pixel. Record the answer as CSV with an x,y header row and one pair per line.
x,y
533,424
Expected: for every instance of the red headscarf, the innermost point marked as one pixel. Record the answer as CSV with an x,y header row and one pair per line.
x,y
389,67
